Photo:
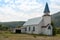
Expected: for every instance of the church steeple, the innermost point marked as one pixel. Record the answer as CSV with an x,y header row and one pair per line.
x,y
46,10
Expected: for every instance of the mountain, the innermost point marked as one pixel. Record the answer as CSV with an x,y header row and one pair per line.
x,y
13,24
56,19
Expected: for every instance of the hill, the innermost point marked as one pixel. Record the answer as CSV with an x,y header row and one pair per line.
x,y
56,19
12,24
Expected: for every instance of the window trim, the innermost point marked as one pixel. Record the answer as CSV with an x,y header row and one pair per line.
x,y
49,27
29,28
33,28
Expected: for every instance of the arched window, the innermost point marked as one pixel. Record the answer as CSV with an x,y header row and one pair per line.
x,y
33,28
29,28
49,27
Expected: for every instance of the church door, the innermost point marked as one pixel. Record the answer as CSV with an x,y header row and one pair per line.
x,y
49,30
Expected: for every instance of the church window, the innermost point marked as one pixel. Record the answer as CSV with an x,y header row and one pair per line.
x,y
33,28
29,28
49,27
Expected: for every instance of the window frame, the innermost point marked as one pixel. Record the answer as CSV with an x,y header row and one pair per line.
x,y
49,27
29,28
33,28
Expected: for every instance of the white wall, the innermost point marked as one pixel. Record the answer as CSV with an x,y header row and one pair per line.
x,y
43,30
40,27
22,30
47,31
31,29
36,29
47,20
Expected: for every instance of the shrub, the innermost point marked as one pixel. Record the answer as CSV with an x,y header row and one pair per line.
x,y
58,30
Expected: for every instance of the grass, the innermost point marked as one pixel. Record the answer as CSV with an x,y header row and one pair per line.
x,y
10,36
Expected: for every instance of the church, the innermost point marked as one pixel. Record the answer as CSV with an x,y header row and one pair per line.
x,y
39,25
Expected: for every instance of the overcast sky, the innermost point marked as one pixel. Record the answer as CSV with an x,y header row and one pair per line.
x,y
22,10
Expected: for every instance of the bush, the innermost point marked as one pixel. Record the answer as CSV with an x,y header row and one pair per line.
x,y
58,31
3,28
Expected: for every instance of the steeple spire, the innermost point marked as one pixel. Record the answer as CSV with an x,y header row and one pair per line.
x,y
46,10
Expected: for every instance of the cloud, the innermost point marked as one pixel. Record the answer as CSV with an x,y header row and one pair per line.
x,y
18,10
54,6
14,10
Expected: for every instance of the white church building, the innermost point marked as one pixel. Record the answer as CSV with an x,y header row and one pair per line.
x,y
39,25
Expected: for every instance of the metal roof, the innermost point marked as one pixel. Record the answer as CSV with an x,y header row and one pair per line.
x,y
33,21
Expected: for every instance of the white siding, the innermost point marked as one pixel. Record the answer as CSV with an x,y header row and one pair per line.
x,y
43,30
31,29
47,20
39,27
47,31
36,30
23,30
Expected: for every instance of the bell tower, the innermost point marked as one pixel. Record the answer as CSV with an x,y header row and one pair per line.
x,y
46,16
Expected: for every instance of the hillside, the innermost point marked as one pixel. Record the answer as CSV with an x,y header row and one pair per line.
x,y
12,24
56,19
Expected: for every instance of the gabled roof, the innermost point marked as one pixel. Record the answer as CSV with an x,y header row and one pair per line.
x,y
33,21
46,10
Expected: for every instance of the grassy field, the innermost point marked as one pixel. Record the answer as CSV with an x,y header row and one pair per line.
x,y
9,36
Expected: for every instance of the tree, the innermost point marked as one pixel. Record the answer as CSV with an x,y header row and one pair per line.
x,y
0,26
3,27
54,29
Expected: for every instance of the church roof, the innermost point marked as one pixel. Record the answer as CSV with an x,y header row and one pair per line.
x,y
46,10
33,21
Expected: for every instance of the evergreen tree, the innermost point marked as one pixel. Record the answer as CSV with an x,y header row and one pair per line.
x,y
54,29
